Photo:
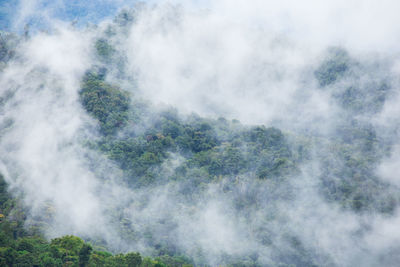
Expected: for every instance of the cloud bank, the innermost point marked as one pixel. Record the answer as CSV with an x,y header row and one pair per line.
x,y
255,61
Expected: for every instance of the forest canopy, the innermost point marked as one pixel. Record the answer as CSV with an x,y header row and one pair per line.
x,y
179,135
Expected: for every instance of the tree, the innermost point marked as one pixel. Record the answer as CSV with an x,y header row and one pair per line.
x,y
84,255
133,259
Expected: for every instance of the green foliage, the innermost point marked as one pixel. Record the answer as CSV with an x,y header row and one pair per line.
x,y
104,50
18,248
193,152
197,138
266,137
363,98
68,243
67,251
8,255
84,255
178,261
210,148
133,259
8,43
333,68
363,91
125,17
106,103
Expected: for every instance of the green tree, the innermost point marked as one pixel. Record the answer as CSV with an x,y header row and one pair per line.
x,y
133,259
84,255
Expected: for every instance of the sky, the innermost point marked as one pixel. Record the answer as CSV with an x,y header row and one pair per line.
x,y
81,11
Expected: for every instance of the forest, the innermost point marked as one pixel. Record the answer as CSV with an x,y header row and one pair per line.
x,y
97,173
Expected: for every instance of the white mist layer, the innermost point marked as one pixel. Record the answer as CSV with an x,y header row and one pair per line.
x,y
41,151
249,60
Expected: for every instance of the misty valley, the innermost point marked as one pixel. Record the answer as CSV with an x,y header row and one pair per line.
x,y
170,135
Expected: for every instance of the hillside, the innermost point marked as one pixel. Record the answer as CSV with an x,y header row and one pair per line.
x,y
173,137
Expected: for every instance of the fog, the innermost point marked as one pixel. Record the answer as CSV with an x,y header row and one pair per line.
x,y
254,61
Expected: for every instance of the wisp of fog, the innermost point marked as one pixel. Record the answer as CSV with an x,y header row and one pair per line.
x,y
326,74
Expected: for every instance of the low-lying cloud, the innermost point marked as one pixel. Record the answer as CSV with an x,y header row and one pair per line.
x,y
255,61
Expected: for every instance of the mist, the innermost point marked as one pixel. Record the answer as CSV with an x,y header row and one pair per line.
x,y
233,66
